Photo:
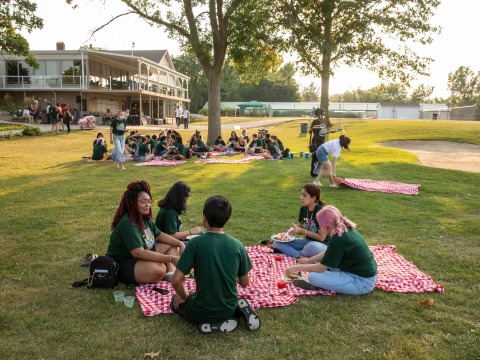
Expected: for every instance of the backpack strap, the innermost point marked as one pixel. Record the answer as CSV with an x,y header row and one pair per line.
x,y
80,283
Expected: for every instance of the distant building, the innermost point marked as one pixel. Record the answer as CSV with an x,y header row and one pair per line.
x,y
144,81
398,110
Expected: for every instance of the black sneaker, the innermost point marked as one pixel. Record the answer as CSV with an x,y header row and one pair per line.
x,y
305,285
222,327
251,318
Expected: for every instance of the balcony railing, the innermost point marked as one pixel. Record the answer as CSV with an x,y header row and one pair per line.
x,y
41,82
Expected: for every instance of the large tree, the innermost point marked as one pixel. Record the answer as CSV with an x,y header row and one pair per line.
x,y
373,34
464,86
213,29
16,15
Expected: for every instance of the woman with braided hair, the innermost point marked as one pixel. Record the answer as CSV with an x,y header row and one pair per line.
x,y
145,254
346,267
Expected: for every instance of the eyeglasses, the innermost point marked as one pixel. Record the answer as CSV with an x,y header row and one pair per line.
x,y
146,202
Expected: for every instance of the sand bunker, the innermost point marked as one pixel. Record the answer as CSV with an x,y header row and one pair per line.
x,y
442,154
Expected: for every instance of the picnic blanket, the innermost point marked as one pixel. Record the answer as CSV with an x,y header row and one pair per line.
x,y
157,161
225,153
395,274
242,160
390,187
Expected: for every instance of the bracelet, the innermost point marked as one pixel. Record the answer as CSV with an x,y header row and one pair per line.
x,y
170,258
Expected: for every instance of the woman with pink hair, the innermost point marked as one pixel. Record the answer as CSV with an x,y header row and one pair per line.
x,y
346,267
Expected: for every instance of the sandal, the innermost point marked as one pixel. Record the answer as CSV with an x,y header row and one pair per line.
x,y
87,259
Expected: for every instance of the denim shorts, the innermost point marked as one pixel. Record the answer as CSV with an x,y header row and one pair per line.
x,y
321,153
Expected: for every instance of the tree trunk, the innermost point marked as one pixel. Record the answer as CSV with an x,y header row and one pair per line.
x,y
324,102
214,119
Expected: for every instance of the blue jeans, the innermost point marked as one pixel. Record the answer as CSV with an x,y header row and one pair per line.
x,y
185,123
299,247
342,282
119,142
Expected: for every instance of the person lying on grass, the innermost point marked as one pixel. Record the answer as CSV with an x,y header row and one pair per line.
x,y
145,254
220,262
346,267
309,240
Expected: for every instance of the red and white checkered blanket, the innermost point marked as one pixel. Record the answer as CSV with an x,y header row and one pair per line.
x,y
225,153
389,187
242,160
161,162
394,274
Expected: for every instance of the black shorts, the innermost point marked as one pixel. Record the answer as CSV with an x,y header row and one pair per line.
x,y
127,270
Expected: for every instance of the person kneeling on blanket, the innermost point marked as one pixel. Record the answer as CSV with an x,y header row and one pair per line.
x,y
346,267
220,262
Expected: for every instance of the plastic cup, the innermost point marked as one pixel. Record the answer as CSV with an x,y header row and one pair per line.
x,y
128,301
301,153
277,257
281,284
291,156
306,155
119,295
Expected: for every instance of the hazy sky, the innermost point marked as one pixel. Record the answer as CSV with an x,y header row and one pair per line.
x,y
455,47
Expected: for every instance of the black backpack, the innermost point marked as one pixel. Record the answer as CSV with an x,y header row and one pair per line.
x,y
103,274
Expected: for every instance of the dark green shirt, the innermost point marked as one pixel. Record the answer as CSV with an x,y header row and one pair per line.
x,y
143,150
160,147
181,148
350,253
127,236
308,220
118,126
272,149
98,151
168,221
219,260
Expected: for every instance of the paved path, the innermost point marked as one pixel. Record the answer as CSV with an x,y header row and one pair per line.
x,y
193,126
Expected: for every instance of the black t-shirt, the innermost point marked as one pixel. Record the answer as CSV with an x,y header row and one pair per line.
x,y
318,134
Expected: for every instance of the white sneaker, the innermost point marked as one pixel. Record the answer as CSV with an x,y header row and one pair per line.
x,y
335,185
318,183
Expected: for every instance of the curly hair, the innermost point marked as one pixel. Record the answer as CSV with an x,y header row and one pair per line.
x,y
128,204
176,197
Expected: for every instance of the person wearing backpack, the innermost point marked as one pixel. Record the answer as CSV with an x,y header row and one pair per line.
x,y
144,254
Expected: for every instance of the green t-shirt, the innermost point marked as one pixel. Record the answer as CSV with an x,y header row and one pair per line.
x,y
200,144
143,150
160,147
280,146
118,126
98,151
168,221
350,253
308,220
153,145
272,149
127,236
181,148
219,259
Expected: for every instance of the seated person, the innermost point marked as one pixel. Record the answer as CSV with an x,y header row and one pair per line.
x,y
255,146
99,135
144,153
279,145
177,150
151,144
245,135
232,141
100,151
198,146
220,262
162,146
271,150
145,254
241,144
311,241
219,144
171,207
347,266
130,148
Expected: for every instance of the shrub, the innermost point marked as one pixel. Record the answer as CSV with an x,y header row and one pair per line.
x,y
11,108
203,112
31,131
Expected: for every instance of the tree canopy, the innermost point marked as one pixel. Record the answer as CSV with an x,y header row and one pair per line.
x,y
464,86
372,34
16,15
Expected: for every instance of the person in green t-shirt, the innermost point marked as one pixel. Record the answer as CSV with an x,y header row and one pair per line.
x,y
144,153
198,146
171,207
271,150
219,144
256,145
100,151
309,239
177,150
220,262
118,126
161,147
145,254
346,267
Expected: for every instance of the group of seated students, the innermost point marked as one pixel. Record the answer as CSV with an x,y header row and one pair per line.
x,y
148,251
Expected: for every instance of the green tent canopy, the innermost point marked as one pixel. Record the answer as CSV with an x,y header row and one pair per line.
x,y
253,104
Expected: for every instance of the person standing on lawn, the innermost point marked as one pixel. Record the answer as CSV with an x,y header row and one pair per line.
x,y
333,147
347,266
118,126
220,262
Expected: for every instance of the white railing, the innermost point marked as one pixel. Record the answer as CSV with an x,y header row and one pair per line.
x,y
41,82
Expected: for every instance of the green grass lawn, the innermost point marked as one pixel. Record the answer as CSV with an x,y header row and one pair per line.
x,y
55,208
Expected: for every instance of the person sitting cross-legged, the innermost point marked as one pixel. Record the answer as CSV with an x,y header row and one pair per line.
x,y
220,262
197,146
176,151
